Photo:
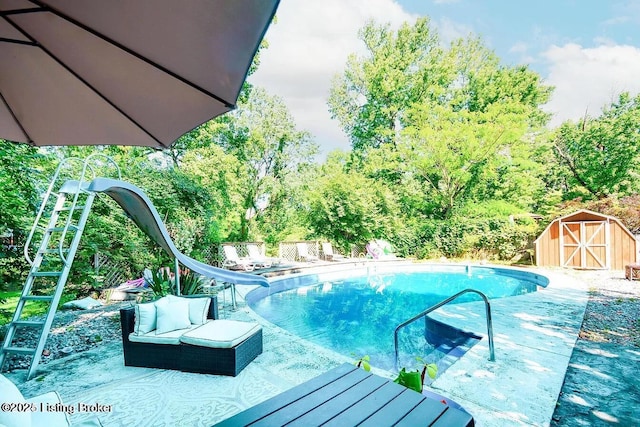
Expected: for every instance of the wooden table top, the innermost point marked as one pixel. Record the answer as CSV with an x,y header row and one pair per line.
x,y
349,396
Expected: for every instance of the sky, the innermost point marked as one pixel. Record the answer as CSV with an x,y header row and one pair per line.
x,y
589,50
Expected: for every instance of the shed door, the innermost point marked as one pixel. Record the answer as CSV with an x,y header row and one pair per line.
x,y
584,244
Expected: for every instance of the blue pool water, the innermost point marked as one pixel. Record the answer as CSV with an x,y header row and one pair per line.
x,y
356,315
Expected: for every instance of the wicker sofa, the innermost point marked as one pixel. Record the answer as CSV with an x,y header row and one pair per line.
x,y
210,346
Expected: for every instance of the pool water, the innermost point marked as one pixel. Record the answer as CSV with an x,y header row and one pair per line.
x,y
356,316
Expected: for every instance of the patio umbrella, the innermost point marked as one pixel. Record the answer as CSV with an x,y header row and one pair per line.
x,y
122,72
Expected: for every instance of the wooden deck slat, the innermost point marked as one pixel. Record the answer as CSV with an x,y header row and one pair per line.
x,y
347,396
454,418
336,404
294,410
273,404
365,408
426,413
404,401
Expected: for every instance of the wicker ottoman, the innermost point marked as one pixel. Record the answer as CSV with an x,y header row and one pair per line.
x,y
223,347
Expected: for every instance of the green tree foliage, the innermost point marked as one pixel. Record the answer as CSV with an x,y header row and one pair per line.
x,y
347,207
19,198
454,123
263,138
215,171
399,69
18,185
603,153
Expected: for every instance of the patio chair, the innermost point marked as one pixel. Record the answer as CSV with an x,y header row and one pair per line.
x,y
258,257
234,262
303,253
329,255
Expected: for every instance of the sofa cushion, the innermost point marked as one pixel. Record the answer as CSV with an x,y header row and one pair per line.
x,y
220,333
145,318
9,393
198,308
172,314
172,337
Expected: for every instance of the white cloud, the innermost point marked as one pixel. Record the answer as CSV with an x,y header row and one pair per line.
x,y
519,47
449,30
310,44
587,79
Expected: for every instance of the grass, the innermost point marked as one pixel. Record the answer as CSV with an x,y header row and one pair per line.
x,y
8,306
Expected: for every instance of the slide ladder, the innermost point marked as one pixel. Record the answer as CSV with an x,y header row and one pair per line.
x,y
55,236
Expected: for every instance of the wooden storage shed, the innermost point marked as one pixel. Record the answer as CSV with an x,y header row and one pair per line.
x,y
586,240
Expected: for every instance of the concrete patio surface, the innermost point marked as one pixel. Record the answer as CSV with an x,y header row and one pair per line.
x,y
535,335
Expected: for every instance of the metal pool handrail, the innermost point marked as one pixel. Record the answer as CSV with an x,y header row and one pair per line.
x,y
492,356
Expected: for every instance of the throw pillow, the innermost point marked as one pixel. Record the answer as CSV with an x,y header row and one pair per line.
x,y
145,318
172,314
9,393
198,308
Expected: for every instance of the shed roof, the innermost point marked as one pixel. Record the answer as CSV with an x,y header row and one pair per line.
x,y
593,216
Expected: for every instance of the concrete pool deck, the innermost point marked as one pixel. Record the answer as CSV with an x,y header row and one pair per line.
x,y
534,338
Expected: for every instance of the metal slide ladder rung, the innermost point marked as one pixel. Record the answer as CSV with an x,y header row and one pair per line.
x,y
30,323
53,251
38,298
69,208
20,350
46,274
61,229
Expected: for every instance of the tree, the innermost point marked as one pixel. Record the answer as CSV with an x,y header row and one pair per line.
x,y
603,153
18,185
451,123
263,137
347,207
400,68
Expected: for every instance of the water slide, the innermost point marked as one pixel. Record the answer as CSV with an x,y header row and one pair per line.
x,y
139,208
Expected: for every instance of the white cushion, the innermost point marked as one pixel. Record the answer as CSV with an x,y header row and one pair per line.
x,y
145,318
84,303
220,333
9,393
172,314
198,308
172,337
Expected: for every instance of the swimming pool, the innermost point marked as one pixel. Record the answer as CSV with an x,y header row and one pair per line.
x,y
355,311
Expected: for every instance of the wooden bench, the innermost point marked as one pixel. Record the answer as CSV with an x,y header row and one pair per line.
x,y
632,271
347,396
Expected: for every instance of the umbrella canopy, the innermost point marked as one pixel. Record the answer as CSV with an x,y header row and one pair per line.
x,y
122,72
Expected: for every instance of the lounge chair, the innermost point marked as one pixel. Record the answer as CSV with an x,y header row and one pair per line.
x,y
234,262
256,256
329,255
303,253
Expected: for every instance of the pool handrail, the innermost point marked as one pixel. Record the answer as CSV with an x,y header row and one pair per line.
x,y
492,356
